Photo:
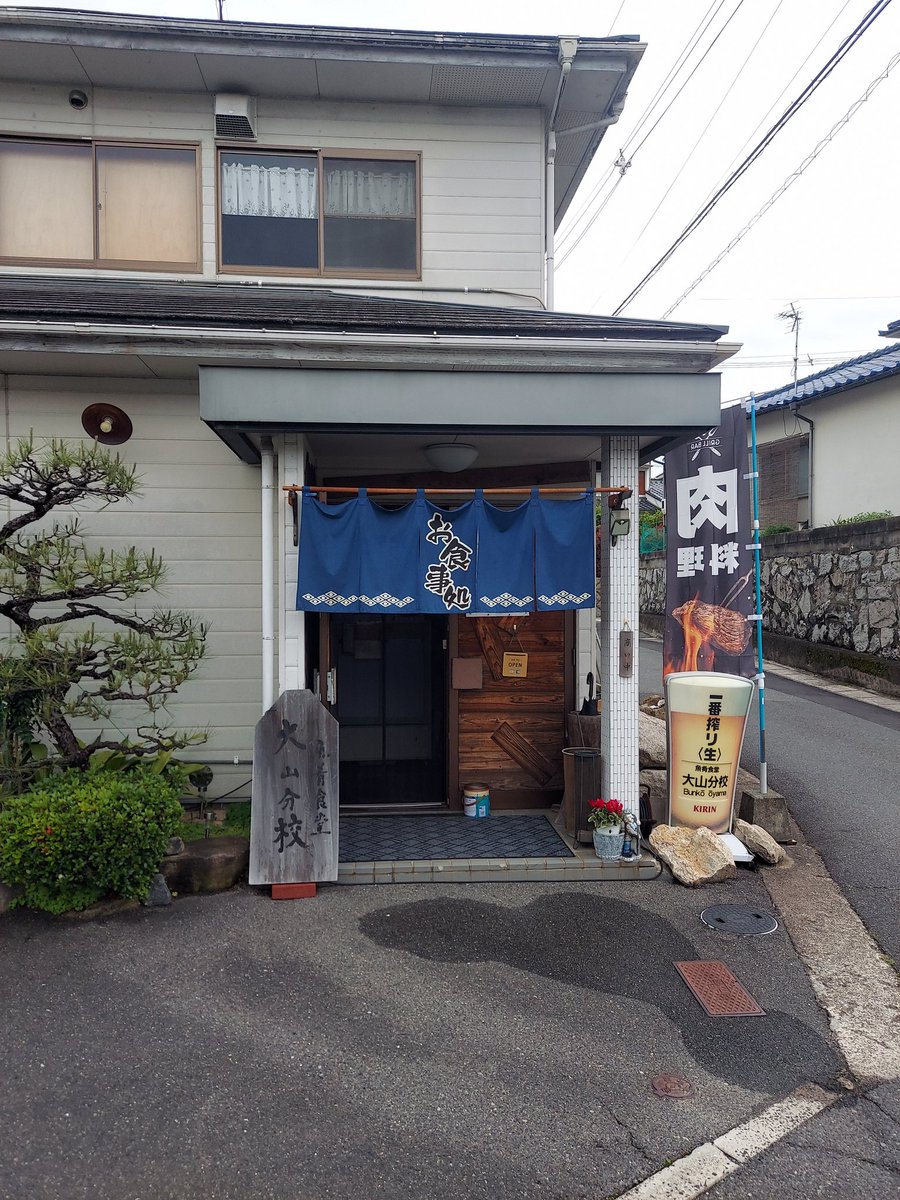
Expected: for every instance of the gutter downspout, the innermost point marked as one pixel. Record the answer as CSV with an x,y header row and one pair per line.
x,y
809,473
568,48
267,566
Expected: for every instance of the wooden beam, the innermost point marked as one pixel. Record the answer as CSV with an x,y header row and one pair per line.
x,y
491,643
524,753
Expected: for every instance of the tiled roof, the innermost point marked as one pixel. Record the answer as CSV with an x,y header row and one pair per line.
x,y
879,364
245,306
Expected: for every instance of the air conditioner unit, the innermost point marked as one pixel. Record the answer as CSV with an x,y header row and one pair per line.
x,y
235,116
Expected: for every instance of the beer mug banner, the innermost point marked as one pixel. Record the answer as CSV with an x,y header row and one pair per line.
x,y
706,715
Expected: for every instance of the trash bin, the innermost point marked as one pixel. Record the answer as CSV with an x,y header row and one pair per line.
x,y
581,777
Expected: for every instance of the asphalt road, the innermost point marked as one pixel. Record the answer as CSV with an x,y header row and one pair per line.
x,y
837,761
412,1042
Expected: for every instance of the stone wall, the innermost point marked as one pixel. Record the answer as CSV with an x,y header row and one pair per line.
x,y
831,599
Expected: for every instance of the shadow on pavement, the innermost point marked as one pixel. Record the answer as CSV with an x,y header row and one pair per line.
x,y
616,948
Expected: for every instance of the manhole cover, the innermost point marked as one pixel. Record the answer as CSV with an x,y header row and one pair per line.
x,y
718,991
675,1087
735,918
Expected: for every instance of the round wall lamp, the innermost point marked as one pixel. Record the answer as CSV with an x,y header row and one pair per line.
x,y
451,456
107,424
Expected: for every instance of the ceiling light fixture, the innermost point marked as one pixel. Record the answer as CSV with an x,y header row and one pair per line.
x,y
451,456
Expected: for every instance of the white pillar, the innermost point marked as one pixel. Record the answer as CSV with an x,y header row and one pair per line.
x,y
267,567
619,610
586,638
292,659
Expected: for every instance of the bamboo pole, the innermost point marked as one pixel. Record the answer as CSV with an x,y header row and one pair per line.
x,y
508,491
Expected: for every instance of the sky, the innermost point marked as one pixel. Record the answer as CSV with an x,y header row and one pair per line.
x,y
827,246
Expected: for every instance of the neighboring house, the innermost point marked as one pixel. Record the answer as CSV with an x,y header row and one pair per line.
x,y
303,256
827,447
652,491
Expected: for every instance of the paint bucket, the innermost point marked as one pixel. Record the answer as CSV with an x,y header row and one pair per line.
x,y
477,801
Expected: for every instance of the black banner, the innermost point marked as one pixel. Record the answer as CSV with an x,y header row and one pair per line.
x,y
709,570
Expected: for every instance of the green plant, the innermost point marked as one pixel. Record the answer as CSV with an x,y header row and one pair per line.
x,y
860,517
85,835
653,520
778,527
78,651
236,824
605,813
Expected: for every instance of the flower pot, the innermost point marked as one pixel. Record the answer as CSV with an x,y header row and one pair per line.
x,y
608,841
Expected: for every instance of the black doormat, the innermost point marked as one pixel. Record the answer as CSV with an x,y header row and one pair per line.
x,y
396,838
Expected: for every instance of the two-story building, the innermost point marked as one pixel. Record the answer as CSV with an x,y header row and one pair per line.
x,y
306,256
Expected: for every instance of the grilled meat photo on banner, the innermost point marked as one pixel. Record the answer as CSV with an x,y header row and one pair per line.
x,y
709,568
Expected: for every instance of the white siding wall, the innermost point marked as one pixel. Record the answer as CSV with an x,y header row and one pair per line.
x,y
854,449
199,508
482,170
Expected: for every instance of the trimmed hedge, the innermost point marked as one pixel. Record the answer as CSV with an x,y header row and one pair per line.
x,y
86,835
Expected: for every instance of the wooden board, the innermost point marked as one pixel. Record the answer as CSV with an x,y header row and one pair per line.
x,y
524,752
294,814
492,644
533,707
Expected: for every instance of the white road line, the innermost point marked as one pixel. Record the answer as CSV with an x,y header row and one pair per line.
x,y
712,1162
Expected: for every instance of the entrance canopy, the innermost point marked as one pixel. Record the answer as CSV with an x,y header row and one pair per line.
x,y
524,408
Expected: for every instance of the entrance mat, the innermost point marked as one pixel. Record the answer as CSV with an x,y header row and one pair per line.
x,y
718,991
401,838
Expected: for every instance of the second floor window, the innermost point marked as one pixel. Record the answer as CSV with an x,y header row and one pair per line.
x,y
319,214
110,204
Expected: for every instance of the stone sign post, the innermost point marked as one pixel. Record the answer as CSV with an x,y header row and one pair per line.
x,y
294,817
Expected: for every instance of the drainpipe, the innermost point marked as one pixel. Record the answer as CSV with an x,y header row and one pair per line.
x,y
809,476
568,47
267,502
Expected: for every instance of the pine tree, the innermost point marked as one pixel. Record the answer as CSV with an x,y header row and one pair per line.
x,y
78,648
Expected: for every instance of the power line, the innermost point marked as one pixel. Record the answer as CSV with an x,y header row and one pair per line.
x,y
791,111
696,67
743,364
685,53
612,23
706,127
792,178
774,105
811,299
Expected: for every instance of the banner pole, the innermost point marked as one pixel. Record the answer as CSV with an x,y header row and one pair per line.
x,y
761,677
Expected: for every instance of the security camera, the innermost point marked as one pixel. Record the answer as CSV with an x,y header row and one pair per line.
x,y
78,99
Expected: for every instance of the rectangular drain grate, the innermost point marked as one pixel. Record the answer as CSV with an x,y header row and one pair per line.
x,y
718,991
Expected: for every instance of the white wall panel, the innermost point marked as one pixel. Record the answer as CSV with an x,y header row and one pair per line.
x,y
476,163
199,509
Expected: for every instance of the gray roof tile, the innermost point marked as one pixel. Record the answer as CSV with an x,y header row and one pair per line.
x,y
879,364
245,306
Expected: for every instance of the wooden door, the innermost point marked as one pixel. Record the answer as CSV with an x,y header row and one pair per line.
x,y
511,732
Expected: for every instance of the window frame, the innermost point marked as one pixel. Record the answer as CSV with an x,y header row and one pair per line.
x,y
321,155
111,264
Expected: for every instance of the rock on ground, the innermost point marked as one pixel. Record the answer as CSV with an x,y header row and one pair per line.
x,y
656,784
8,893
652,747
758,841
159,895
694,856
209,865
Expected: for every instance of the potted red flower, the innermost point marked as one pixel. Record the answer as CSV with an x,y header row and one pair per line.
x,y
606,818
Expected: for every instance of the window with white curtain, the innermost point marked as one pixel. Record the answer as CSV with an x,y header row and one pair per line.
x,y
107,204
271,204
